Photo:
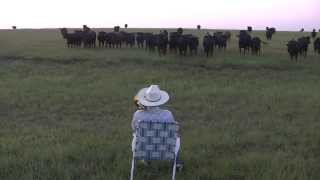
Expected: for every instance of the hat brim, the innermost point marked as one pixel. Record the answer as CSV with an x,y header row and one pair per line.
x,y
141,97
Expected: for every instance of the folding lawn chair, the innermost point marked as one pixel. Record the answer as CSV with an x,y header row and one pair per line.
x,y
155,141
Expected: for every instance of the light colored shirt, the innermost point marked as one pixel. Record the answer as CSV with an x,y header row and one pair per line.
x,y
153,114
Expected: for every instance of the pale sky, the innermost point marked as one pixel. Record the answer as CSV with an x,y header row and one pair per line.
x,y
231,14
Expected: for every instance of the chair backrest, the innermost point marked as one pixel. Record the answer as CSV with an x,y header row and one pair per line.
x,y
156,140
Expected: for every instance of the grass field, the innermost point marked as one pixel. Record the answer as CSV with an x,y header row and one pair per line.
x,y
65,114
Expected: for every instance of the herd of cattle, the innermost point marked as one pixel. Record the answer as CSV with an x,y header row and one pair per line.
x,y
181,43
301,45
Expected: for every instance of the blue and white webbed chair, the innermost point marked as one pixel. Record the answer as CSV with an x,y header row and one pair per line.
x,y
155,141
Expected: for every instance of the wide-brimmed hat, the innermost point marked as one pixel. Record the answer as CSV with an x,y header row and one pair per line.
x,y
152,96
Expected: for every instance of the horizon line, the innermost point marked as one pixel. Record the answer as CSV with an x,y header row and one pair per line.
x,y
191,28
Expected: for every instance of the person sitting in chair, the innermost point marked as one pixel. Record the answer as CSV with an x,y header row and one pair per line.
x,y
148,102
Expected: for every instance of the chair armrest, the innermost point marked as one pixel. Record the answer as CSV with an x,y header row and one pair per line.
x,y
133,144
177,146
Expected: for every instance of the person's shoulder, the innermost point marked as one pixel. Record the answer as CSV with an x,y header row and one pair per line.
x,y
138,112
167,111
168,114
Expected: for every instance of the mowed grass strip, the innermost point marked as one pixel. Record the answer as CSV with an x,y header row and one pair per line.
x,y
66,113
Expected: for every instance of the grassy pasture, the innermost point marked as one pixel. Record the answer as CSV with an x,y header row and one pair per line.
x,y
66,113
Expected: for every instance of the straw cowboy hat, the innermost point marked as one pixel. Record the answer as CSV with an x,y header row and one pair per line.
x,y
152,96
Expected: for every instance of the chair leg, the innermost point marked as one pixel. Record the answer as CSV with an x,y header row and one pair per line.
x,y
177,149
133,146
132,169
174,168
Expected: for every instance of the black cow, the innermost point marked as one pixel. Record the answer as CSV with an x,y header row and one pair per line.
x,y
269,35
220,40
109,40
180,31
314,34
114,39
193,44
128,38
151,41
162,42
89,38
316,45
293,49
75,39
270,32
256,46
303,45
244,42
140,39
182,44
117,39
273,30
72,39
116,28
208,43
173,41
85,28
102,38
188,41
